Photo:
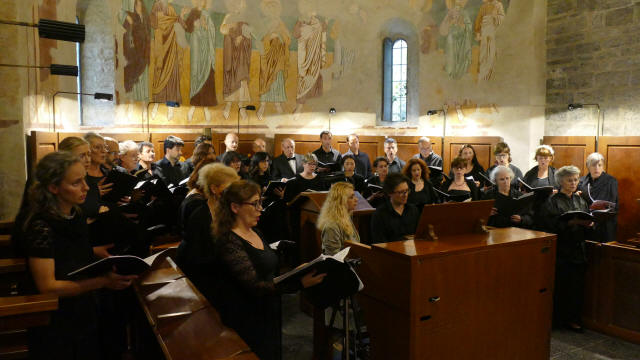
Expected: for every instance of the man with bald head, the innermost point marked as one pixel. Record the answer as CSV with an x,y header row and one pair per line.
x,y
432,159
259,145
288,164
231,144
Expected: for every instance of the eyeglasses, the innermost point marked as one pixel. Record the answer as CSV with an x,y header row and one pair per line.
x,y
100,148
256,204
502,156
403,192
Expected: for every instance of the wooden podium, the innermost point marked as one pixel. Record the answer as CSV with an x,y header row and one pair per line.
x,y
481,294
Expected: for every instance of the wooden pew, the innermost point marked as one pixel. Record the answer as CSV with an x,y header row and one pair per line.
x,y
185,325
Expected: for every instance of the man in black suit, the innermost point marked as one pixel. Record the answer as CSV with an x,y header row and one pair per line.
x,y
172,169
427,155
288,164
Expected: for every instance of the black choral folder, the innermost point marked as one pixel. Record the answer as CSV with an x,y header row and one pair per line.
x,y
341,281
124,264
123,185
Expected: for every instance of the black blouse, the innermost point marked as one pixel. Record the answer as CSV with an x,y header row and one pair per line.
x,y
300,184
195,255
474,190
570,244
246,298
387,225
603,188
475,173
64,240
503,218
423,197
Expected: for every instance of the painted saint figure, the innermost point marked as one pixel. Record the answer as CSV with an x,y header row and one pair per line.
x,y
166,71
274,60
456,27
311,33
236,57
203,56
136,46
487,22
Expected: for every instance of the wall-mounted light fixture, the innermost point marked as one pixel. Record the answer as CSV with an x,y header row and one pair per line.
x,y
599,125
56,69
53,29
332,112
97,96
444,123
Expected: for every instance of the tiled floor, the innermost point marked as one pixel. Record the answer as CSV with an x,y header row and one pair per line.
x,y
297,339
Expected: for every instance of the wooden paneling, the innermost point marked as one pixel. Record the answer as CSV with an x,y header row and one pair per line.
x,y
157,139
368,145
483,145
245,143
137,137
571,150
622,155
612,294
304,143
408,146
40,144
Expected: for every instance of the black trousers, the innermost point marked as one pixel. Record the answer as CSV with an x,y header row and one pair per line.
x,y
568,297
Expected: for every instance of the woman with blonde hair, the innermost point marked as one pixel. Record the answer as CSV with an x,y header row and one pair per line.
x,y
196,251
335,218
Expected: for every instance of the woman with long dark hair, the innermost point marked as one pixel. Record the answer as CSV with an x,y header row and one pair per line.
x,y
56,243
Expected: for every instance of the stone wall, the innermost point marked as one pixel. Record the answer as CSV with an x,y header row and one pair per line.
x,y
593,57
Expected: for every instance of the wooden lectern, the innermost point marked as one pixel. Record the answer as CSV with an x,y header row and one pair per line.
x,y
469,293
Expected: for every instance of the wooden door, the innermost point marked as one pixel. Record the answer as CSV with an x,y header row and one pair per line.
x,y
483,146
622,154
571,150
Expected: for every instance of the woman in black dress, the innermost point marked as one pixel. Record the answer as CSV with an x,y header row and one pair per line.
x,y
349,167
247,298
259,169
421,190
502,214
306,180
234,160
195,197
55,243
459,185
598,185
571,258
472,168
196,251
374,194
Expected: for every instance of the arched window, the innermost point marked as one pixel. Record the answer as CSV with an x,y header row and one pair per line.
x,y
395,80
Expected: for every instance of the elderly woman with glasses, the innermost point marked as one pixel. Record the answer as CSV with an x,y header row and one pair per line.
x,y
247,298
571,259
598,185
306,180
395,219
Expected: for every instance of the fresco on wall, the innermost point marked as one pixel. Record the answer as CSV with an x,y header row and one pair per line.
x,y
464,31
221,55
